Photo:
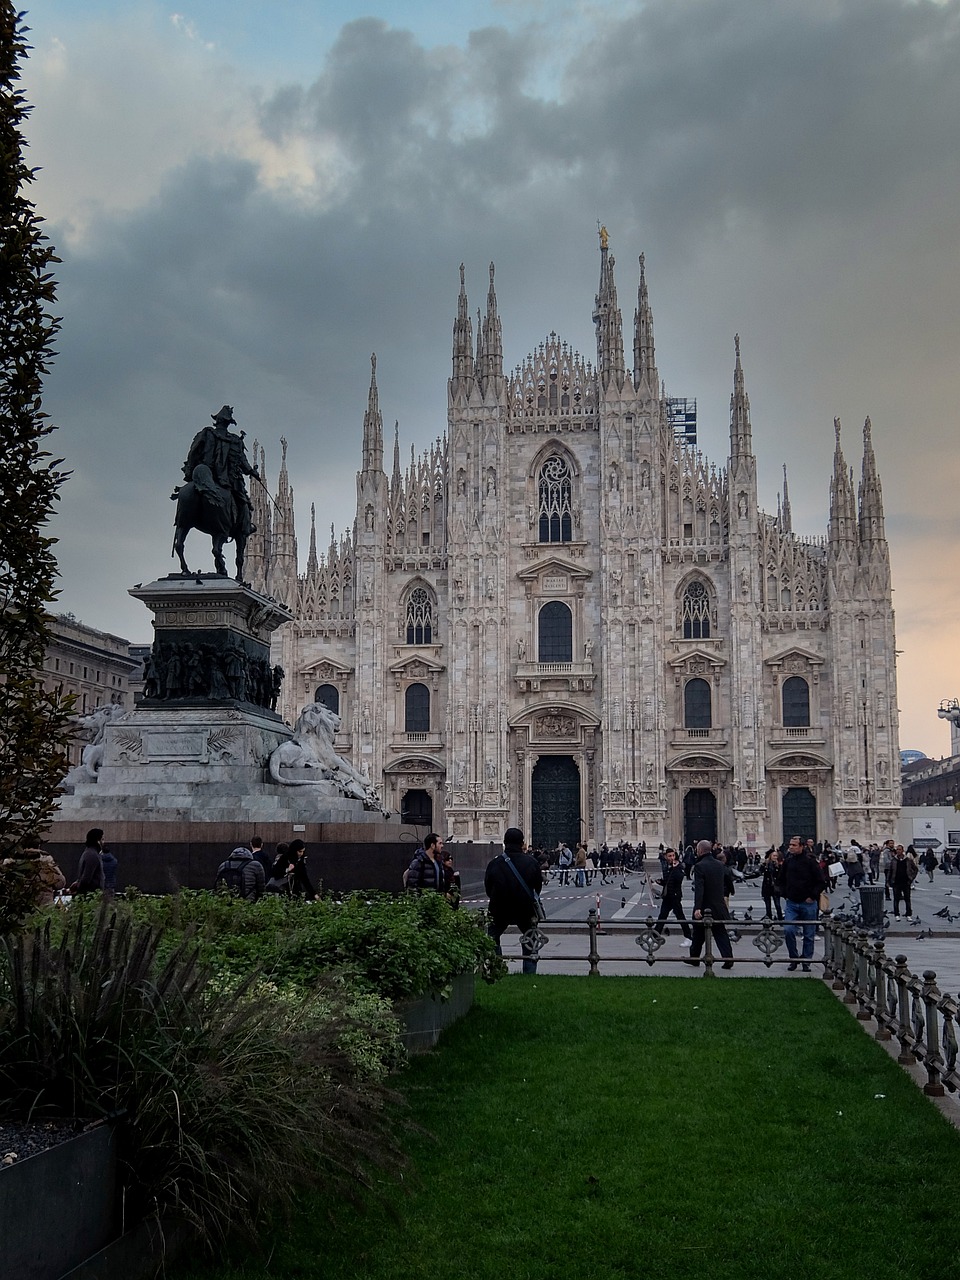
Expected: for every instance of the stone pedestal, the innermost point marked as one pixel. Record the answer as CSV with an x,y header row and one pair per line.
x,y
194,752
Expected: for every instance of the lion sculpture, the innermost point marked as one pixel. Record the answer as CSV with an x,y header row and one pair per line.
x,y
311,748
91,758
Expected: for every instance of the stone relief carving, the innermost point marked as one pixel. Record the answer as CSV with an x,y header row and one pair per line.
x,y
555,725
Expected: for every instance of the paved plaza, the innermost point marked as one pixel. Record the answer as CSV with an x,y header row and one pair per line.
x,y
930,942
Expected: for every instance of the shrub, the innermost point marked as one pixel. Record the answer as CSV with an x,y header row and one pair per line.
x,y
396,946
231,1094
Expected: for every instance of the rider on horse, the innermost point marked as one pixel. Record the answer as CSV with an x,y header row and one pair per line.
x,y
218,458
214,499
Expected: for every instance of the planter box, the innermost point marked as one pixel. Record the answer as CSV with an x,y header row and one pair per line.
x,y
424,1018
58,1207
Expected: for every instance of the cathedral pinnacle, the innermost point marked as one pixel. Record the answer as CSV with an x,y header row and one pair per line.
x,y
463,367
490,353
608,322
373,425
842,526
786,519
870,495
644,354
741,433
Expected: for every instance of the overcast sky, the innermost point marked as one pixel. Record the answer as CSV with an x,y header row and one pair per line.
x,y
249,198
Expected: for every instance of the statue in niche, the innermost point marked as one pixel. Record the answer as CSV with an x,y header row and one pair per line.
x,y
742,508
587,649
521,649
368,519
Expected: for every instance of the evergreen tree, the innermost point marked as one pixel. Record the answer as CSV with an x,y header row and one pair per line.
x,y
33,723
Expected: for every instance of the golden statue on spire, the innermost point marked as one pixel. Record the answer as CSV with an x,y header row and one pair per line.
x,y
604,237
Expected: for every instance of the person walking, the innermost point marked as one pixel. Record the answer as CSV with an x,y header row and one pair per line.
x,y
90,871
903,872
513,881
930,863
801,883
769,889
426,869
580,862
708,888
672,897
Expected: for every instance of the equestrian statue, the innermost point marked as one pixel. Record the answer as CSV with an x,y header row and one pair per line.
x,y
214,498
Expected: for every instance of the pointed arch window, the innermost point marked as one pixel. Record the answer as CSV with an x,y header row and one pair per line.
x,y
553,491
419,617
696,612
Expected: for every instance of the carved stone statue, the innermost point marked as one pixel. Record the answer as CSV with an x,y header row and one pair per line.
x,y
311,748
214,498
91,758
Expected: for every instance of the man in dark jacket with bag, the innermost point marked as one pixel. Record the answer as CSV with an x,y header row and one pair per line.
x,y
513,881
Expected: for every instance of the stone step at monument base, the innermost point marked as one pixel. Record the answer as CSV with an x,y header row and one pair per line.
x,y
213,802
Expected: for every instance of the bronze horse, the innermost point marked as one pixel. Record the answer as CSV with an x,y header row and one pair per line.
x,y
203,504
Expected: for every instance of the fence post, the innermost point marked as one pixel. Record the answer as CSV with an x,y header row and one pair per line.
x,y
862,962
932,1058
880,1000
849,966
901,977
708,945
594,956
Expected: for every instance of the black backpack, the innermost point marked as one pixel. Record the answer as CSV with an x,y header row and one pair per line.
x,y
230,876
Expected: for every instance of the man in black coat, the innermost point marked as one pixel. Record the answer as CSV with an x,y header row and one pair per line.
x,y
708,889
513,881
671,901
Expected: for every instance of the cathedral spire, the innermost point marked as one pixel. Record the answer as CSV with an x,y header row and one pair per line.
x,y
608,322
842,526
395,482
463,367
313,562
741,435
373,425
871,497
644,355
490,372
786,519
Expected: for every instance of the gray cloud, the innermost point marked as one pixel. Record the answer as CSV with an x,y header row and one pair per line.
x,y
791,171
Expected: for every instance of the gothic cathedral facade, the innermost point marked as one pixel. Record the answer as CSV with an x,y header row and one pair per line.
x,y
562,617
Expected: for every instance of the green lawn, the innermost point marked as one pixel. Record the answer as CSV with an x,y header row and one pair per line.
x,y
654,1127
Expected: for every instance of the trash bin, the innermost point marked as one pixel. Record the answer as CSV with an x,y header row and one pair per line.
x,y
871,905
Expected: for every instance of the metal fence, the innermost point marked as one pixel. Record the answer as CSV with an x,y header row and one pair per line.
x,y
906,1007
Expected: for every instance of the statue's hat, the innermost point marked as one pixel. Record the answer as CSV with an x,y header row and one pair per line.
x,y
225,415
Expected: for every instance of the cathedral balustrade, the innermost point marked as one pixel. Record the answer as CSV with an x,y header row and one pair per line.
x,y
812,734
577,676
429,739
715,737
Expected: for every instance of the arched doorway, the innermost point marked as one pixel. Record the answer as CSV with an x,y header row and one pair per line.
x,y
416,808
555,802
799,808
699,816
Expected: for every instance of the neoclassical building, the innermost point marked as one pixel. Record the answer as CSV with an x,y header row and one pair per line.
x,y
562,616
